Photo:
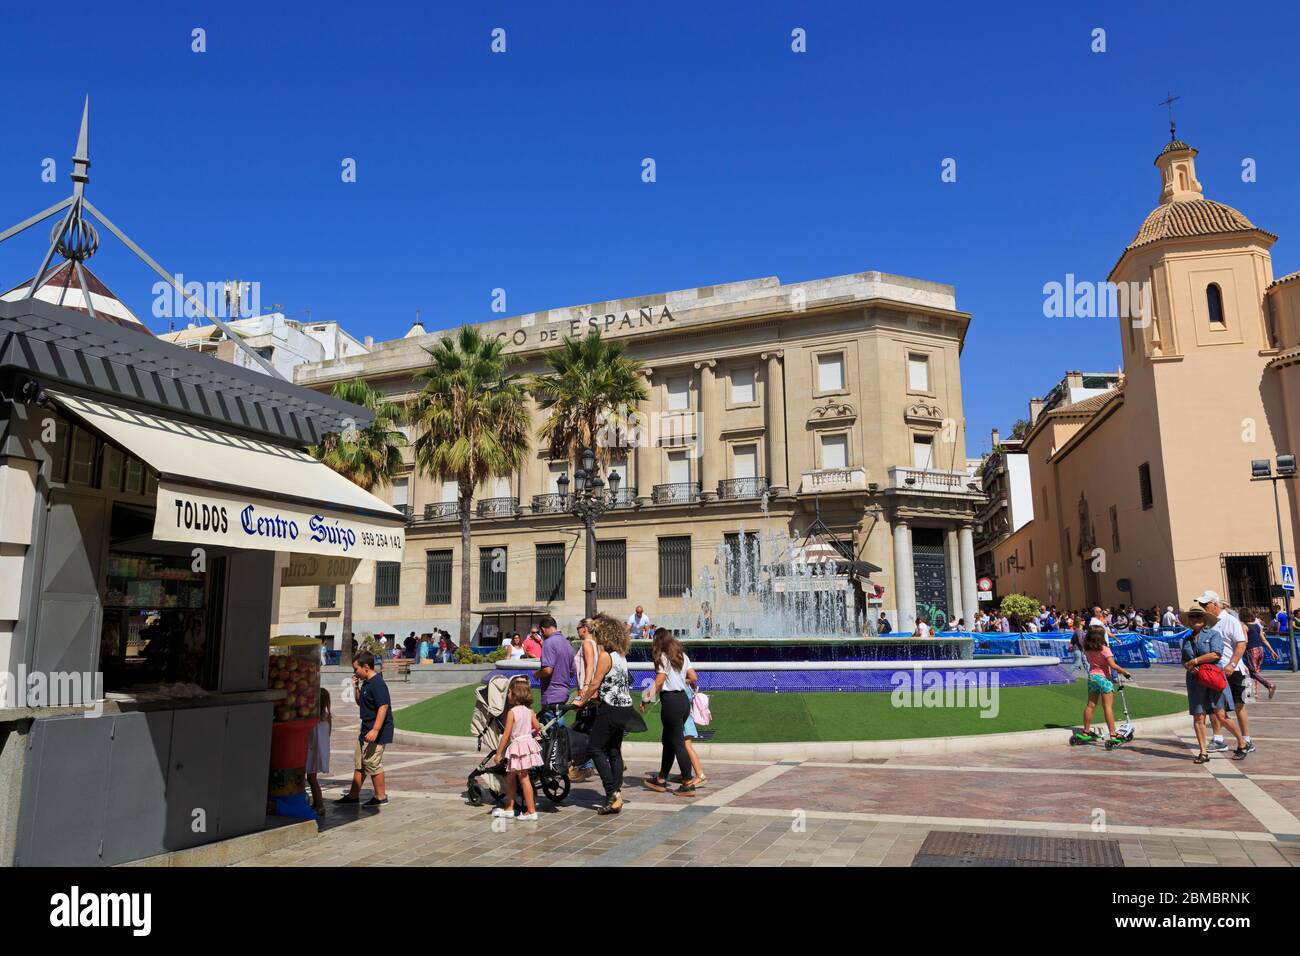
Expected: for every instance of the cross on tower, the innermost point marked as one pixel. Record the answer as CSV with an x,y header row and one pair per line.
x,y
1168,103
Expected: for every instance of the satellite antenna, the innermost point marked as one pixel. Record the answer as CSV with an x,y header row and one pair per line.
x,y
76,240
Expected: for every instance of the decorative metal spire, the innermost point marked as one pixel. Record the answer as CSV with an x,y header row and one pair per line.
x,y
1168,103
76,240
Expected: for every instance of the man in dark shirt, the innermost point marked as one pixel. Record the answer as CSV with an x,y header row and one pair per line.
x,y
376,707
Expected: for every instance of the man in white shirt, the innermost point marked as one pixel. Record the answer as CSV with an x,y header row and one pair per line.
x,y
1170,619
639,624
1234,649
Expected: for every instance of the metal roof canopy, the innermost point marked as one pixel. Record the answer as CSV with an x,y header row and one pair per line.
x,y
68,348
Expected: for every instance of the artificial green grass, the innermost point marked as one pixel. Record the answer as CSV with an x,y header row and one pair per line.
x,y
748,717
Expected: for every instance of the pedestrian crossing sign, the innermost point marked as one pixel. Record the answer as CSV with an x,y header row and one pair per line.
x,y
1288,577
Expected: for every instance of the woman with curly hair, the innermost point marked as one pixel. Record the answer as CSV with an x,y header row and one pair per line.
x,y
611,689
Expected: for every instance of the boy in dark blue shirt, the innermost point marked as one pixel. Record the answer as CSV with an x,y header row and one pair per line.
x,y
376,707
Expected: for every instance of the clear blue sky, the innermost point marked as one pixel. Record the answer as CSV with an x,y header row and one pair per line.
x,y
522,170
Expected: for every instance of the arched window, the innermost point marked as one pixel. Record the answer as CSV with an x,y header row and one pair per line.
x,y
1214,296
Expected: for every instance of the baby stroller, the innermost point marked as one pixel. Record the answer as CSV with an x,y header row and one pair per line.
x,y
487,781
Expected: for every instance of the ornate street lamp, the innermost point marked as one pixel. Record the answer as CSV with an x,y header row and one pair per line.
x,y
588,502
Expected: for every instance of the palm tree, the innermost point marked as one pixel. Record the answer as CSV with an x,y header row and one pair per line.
x,y
367,457
473,422
593,384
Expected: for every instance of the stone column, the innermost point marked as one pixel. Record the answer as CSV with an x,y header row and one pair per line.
x,y
774,405
707,441
952,559
966,545
526,479
647,449
904,579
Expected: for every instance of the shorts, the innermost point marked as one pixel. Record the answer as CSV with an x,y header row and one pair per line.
x,y
368,758
1100,685
1237,684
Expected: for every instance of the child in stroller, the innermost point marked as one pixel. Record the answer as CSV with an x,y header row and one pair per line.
x,y
487,781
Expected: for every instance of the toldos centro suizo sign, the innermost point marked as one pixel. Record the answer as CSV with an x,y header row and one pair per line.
x,y
220,518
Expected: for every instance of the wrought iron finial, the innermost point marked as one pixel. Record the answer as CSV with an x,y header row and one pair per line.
x,y
1168,103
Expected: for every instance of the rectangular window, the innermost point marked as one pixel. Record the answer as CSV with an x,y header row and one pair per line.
x,y
1114,528
450,491
835,451
746,461
1031,554
674,566
830,372
81,461
918,373
133,476
401,495
550,572
611,570
388,583
679,393
491,574
1144,485
742,386
326,595
558,469
437,577
923,451
112,468
59,454
679,467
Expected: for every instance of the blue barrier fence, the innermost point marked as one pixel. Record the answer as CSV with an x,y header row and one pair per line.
x,y
1140,648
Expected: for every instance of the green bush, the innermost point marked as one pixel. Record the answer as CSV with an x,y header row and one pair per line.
x,y
1019,607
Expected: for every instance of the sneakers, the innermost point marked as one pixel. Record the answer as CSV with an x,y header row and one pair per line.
x,y
613,806
1240,753
1217,747
346,799
1250,746
502,812
528,817
376,802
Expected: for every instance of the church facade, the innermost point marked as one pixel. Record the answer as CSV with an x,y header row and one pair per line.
x,y
770,406
1142,495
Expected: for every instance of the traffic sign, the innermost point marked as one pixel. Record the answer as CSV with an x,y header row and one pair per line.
x,y
1288,577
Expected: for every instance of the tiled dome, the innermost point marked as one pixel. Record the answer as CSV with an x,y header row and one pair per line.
x,y
1192,217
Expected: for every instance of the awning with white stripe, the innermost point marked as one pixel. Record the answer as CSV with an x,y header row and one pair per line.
x,y
223,489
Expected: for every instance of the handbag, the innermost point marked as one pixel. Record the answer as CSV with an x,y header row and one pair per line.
x,y
1212,677
700,709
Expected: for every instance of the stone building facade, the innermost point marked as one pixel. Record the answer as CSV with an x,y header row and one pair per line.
x,y
769,406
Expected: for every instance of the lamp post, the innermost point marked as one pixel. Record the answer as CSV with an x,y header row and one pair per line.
x,y
1260,470
588,502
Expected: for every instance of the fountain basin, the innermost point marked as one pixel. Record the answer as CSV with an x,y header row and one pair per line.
x,y
847,675
802,650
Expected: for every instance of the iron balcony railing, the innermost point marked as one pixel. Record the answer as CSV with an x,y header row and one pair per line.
x,y
677,492
625,498
731,489
442,511
554,503
498,507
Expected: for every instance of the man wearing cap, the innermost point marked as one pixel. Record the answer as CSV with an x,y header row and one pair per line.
x,y
1234,648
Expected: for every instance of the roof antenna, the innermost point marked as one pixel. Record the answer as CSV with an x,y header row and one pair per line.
x,y
76,239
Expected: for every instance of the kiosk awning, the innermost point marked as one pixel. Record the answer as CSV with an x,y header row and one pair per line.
x,y
224,489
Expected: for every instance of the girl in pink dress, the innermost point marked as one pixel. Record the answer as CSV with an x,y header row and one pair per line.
x,y
519,748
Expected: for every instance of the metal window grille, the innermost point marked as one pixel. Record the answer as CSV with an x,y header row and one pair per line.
x,y
325,597
437,577
388,583
1144,484
492,574
674,566
550,572
611,570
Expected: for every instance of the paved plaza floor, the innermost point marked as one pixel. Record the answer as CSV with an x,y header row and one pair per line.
x,y
1147,802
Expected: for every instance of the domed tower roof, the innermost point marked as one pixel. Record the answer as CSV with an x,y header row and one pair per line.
x,y
1184,211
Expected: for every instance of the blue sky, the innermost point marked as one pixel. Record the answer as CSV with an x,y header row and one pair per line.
x,y
522,170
